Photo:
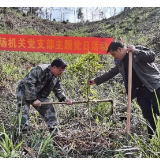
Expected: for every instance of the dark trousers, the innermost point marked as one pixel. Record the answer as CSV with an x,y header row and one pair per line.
x,y
146,101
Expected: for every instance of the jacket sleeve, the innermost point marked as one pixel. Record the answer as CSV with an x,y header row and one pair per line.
x,y
30,82
58,91
107,76
145,54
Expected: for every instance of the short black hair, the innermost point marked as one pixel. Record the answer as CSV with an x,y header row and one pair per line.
x,y
114,46
60,63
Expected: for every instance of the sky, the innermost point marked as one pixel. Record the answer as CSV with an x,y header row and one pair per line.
x,y
56,14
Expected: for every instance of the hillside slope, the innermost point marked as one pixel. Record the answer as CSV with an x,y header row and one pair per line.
x,y
138,25
89,130
135,26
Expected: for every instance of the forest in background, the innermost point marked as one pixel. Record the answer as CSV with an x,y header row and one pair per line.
x,y
78,13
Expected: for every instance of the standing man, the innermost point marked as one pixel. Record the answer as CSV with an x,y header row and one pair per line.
x,y
36,87
145,77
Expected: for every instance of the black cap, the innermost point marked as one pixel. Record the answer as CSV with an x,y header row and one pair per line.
x,y
114,46
58,62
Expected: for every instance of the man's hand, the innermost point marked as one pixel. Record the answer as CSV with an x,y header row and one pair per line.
x,y
131,48
91,82
69,102
37,103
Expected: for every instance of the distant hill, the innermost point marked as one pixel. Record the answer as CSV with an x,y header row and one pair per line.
x,y
137,25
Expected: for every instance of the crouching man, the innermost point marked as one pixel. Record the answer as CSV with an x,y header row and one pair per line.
x,y
36,87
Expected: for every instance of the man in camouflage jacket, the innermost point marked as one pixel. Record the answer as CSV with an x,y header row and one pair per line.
x,y
36,87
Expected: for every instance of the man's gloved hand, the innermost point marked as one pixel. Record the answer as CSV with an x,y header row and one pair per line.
x,y
37,103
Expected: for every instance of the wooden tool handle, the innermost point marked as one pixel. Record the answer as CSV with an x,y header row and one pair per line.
x,y
76,102
129,93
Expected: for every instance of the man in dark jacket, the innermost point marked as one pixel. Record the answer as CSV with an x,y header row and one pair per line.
x,y
145,77
36,87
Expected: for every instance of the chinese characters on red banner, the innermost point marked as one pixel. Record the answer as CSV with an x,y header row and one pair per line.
x,y
54,44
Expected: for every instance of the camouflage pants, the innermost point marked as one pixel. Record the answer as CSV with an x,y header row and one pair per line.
x,y
46,111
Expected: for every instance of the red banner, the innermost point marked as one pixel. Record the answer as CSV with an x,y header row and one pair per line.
x,y
54,44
